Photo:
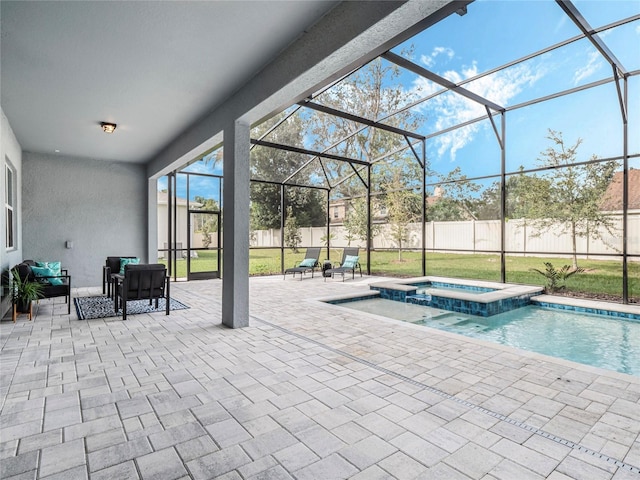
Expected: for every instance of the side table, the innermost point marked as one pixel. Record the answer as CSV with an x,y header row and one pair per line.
x,y
326,265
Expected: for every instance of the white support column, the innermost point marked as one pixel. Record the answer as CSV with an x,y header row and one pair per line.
x,y
235,226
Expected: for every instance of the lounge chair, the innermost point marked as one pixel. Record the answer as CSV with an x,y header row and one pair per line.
x,y
350,262
309,264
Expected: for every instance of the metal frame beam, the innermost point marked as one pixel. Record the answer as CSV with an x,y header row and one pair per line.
x,y
355,118
423,72
273,182
576,17
305,151
374,161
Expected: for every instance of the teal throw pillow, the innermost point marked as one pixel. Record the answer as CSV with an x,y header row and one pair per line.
x,y
54,266
308,262
56,281
350,261
42,273
127,261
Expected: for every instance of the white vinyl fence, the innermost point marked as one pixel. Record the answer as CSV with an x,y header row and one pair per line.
x,y
476,235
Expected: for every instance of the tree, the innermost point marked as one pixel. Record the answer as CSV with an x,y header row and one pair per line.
x,y
292,237
326,239
277,165
206,235
349,237
206,223
355,222
518,203
458,200
372,92
208,204
404,206
567,201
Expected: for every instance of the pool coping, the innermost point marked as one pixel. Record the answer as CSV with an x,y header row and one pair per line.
x,y
349,297
582,305
502,297
501,290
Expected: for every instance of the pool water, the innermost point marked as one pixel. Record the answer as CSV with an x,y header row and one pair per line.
x,y
436,289
594,340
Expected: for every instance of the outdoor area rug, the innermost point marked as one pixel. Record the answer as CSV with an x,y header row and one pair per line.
x,y
102,307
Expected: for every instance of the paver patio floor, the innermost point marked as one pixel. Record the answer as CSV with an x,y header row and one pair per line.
x,y
307,391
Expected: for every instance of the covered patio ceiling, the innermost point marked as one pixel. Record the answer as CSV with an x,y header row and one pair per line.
x,y
153,68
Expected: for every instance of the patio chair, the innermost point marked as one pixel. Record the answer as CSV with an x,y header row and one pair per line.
x,y
350,262
141,282
111,266
54,284
309,264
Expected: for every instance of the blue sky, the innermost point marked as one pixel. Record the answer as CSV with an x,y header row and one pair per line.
x,y
493,33
200,185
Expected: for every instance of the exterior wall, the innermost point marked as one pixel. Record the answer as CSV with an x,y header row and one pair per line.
x,y
181,225
337,211
98,205
9,151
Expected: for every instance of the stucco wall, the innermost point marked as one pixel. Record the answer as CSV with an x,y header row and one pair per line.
x,y
100,206
9,151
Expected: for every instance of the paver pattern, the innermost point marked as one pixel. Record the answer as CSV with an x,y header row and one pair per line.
x,y
307,391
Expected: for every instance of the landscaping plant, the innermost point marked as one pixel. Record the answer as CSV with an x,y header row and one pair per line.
x,y
556,278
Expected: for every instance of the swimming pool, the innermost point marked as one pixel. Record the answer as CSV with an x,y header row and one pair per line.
x,y
436,290
590,339
472,297
433,288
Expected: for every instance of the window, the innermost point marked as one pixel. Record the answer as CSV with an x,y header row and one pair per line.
x,y
335,212
9,207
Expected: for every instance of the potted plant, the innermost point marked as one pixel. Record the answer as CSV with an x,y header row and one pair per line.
x,y
23,292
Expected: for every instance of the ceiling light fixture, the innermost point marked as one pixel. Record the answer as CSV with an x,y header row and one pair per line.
x,y
108,127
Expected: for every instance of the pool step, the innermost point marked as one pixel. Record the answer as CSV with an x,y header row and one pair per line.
x,y
444,319
467,323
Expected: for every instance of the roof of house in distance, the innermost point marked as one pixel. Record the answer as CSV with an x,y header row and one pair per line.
x,y
612,199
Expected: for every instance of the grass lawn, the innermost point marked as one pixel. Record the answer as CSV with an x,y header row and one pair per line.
x,y
601,277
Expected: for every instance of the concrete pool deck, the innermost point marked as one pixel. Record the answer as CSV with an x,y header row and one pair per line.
x,y
309,391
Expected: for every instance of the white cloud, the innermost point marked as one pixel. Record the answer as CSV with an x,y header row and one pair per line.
x,y
604,34
593,65
450,109
561,22
430,60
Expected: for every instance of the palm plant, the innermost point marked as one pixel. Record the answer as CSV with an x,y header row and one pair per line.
x,y
23,291
556,278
